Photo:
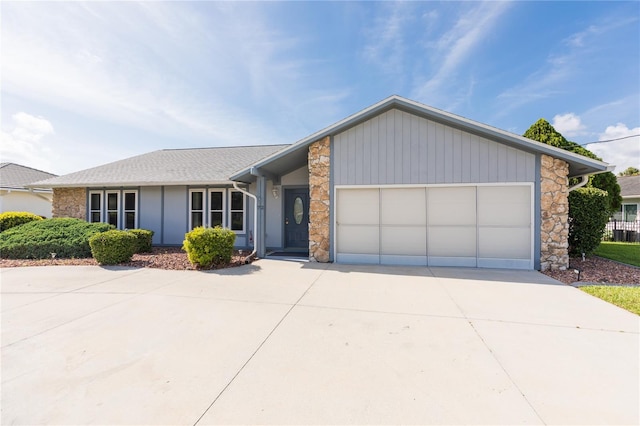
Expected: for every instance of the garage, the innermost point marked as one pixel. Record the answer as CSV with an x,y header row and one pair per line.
x,y
475,225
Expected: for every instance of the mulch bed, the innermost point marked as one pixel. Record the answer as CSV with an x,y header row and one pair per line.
x,y
597,270
160,257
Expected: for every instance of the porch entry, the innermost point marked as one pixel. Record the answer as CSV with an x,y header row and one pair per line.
x,y
296,218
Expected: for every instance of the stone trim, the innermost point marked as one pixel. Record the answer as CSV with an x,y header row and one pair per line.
x,y
319,204
70,202
554,213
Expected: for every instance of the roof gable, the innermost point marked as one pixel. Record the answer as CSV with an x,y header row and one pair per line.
x,y
578,165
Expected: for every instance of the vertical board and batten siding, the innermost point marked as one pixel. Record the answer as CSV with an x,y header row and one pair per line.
x,y
150,207
176,214
400,148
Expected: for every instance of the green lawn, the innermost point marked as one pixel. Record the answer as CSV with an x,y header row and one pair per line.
x,y
628,253
626,297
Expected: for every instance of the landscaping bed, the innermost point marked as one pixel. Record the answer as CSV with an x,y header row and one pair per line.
x,y
597,270
160,257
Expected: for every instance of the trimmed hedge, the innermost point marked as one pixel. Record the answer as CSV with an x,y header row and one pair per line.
x,y
207,247
144,240
10,220
66,237
588,217
113,247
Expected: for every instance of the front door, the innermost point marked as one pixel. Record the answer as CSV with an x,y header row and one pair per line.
x,y
296,218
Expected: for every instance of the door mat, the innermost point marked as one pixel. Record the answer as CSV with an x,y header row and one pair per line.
x,y
289,254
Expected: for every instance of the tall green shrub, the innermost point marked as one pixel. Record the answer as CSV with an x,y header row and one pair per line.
x,y
10,220
66,237
113,247
588,216
207,247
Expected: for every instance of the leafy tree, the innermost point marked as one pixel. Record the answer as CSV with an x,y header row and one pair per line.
x,y
630,171
543,131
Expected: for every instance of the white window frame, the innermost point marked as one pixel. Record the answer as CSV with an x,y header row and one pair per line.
x,y
100,210
624,212
210,209
135,207
204,206
118,209
244,211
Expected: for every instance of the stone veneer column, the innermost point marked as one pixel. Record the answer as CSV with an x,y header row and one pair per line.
x,y
70,202
319,172
554,206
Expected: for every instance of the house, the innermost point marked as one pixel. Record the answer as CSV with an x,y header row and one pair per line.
x,y
624,225
15,196
396,183
630,192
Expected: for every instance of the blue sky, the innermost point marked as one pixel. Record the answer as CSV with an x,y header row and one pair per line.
x,y
85,84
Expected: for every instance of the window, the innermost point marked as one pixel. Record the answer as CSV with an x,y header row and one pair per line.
x,y
113,201
629,212
106,206
216,208
130,210
95,206
196,208
237,210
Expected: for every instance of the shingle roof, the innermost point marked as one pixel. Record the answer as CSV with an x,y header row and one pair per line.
x,y
629,186
15,176
198,166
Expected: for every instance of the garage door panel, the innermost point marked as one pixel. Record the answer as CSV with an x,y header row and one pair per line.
x,y
451,206
504,206
363,239
504,243
403,240
358,206
403,206
452,241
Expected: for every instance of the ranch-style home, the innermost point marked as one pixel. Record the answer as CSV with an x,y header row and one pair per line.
x,y
16,194
396,183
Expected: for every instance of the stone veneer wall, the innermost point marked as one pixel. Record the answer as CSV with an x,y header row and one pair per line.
x,y
319,205
70,202
554,206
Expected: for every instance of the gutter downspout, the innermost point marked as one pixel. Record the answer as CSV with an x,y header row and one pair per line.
x,y
255,221
585,178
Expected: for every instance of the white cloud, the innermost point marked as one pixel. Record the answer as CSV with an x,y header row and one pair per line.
x,y
622,153
25,144
454,48
568,124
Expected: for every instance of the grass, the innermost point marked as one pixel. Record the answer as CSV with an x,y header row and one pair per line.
x,y
628,253
625,297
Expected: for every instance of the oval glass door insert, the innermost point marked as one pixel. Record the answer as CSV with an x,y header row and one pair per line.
x,y
298,210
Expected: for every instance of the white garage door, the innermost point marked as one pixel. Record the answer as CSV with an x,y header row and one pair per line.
x,y
476,226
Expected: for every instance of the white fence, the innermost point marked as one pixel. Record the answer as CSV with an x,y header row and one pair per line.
x,y
617,230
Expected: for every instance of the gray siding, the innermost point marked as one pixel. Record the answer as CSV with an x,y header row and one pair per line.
x,y
176,212
150,205
400,148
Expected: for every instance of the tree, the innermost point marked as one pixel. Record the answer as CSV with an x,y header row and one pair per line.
x,y
587,219
630,171
544,132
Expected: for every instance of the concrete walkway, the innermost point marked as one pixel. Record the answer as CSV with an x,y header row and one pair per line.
x,y
296,343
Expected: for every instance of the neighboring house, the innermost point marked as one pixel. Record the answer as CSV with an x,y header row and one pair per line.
x,y
396,183
15,196
630,192
624,225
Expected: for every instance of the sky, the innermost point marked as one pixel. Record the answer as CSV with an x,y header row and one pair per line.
x,y
85,84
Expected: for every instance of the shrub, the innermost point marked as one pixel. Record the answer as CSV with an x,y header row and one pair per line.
x,y
10,220
207,247
144,240
113,247
588,217
66,237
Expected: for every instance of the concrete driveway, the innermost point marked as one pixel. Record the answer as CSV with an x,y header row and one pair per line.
x,y
296,343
